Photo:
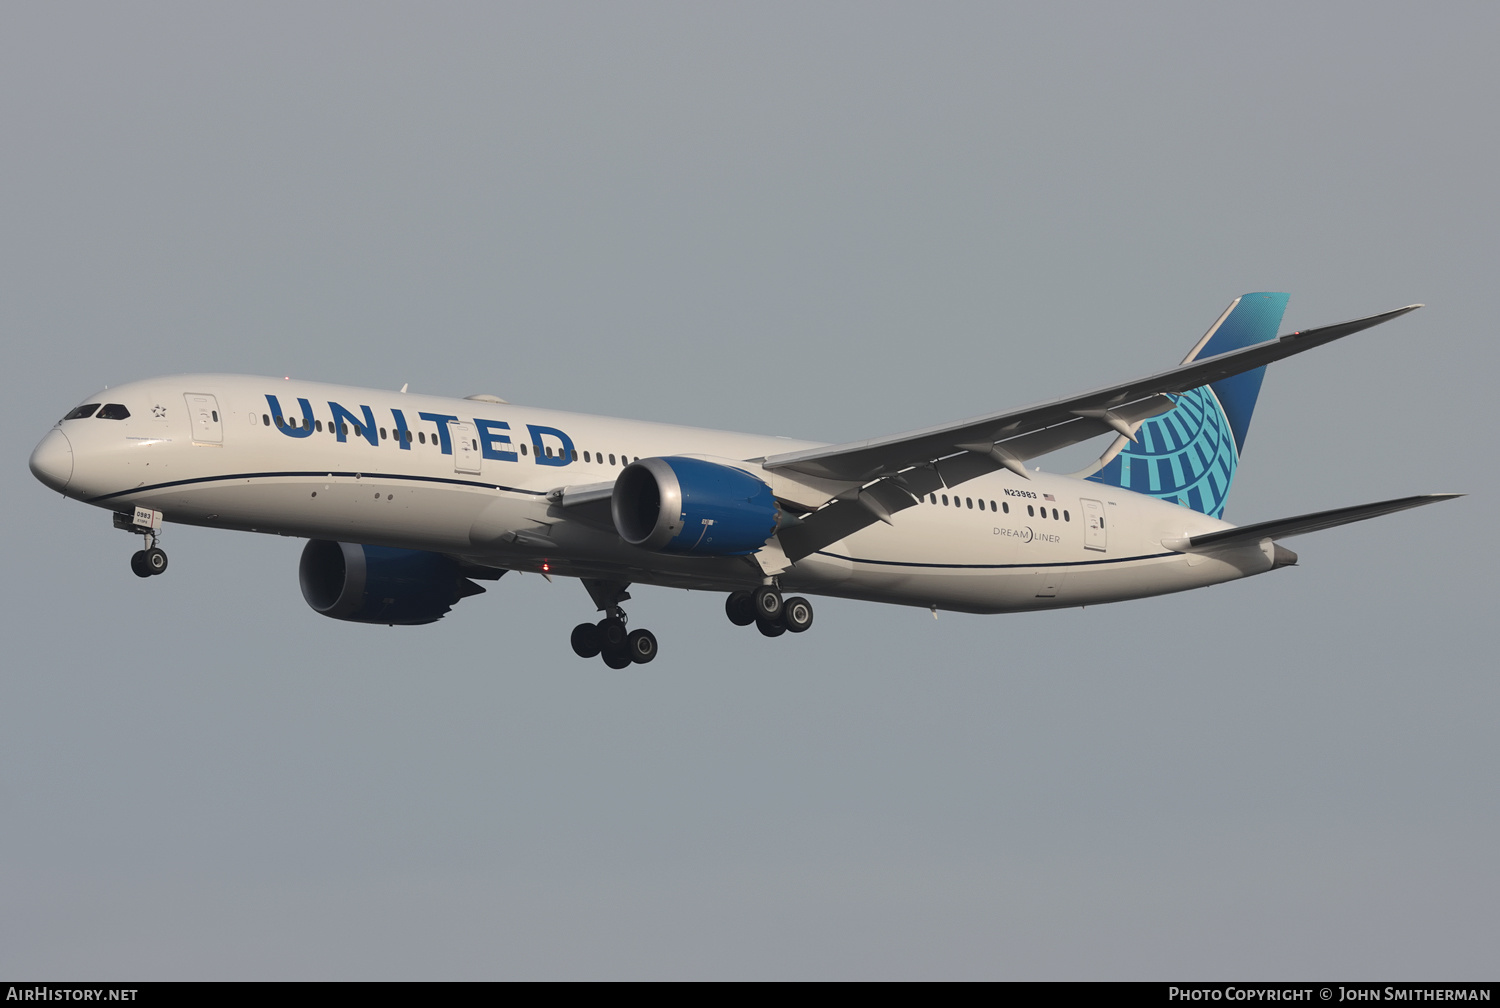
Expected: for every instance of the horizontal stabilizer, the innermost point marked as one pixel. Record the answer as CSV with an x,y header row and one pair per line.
x,y
1282,528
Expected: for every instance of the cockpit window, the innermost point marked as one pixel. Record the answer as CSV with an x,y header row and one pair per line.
x,y
113,411
87,409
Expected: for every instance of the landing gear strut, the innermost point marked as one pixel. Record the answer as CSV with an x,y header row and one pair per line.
x,y
609,638
771,614
146,524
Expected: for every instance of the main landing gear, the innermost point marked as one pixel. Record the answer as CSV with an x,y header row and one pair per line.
x,y
620,647
609,639
771,615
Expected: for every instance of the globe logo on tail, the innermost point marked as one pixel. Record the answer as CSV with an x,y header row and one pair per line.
x,y
1187,456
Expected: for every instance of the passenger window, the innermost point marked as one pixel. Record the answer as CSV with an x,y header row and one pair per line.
x,y
216,415
1054,514
382,433
549,451
575,454
932,497
318,426
1005,506
945,500
422,436
113,411
969,503
523,448
611,460
1065,516
80,412
1030,511
265,420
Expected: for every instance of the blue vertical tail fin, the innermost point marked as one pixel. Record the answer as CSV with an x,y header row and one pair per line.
x,y
1189,456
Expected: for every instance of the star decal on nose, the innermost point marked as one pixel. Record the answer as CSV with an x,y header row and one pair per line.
x,y
158,411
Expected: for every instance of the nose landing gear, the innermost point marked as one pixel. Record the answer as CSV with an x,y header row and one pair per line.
x,y
149,561
145,523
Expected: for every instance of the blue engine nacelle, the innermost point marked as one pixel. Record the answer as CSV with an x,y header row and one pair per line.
x,y
688,505
377,584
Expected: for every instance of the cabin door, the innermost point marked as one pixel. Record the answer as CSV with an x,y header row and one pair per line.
x,y
1094,533
203,412
465,447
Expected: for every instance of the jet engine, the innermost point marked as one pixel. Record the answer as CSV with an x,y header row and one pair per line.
x,y
679,504
378,584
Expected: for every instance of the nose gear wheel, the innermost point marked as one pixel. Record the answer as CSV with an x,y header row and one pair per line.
x,y
146,562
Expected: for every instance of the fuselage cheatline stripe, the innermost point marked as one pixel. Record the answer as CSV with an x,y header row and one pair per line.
x,y
324,473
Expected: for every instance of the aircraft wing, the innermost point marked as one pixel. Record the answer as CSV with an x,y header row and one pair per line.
x,y
575,496
1007,438
906,467
1283,528
885,475
589,501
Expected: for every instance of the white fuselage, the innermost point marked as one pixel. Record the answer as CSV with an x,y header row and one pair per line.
x,y
208,450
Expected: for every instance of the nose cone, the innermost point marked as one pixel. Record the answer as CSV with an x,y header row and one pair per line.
x,y
52,461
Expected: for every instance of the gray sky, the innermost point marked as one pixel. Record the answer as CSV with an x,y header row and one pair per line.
x,y
822,220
